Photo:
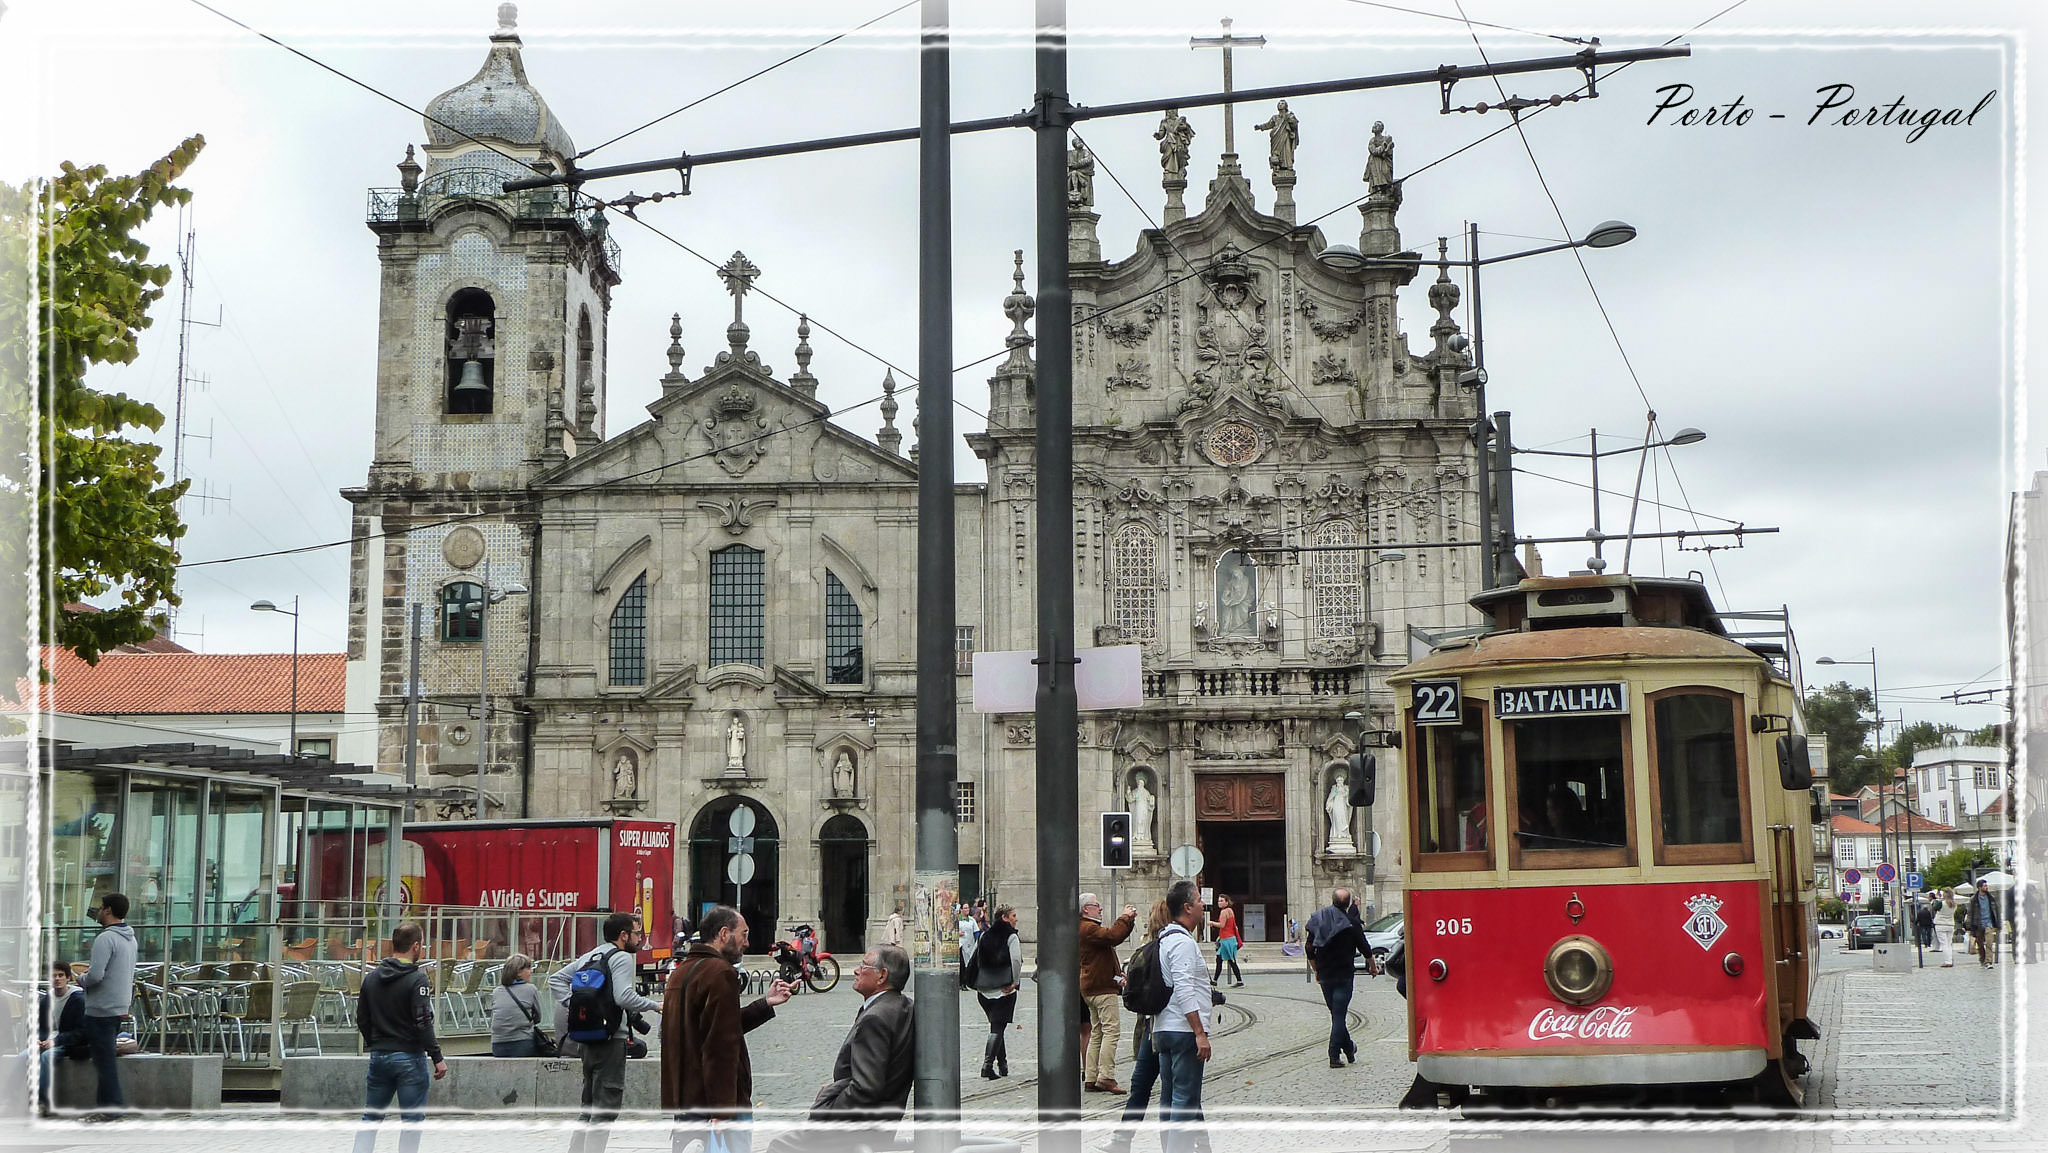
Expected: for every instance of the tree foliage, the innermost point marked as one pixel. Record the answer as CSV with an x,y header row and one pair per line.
x,y
1990,736
109,521
1953,867
1917,736
1837,711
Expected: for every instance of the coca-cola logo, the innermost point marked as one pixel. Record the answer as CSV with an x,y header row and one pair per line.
x,y
1606,1023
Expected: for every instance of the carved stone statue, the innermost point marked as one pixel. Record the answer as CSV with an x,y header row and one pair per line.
x,y
843,780
1237,600
625,776
1140,802
1338,806
736,746
1379,159
1283,133
1080,176
1175,137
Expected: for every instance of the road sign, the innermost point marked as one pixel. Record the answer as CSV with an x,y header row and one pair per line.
x,y
1186,861
1885,872
1913,881
1853,876
742,823
739,844
740,869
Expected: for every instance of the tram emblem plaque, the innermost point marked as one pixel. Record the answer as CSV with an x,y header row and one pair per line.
x,y
1703,921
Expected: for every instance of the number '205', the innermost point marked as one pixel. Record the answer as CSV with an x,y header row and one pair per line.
x,y
1453,926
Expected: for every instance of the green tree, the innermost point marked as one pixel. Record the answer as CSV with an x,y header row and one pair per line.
x,y
1953,867
109,521
1917,736
1833,910
1837,711
1990,736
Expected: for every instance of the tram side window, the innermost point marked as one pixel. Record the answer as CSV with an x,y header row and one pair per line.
x,y
1451,786
1699,780
1569,776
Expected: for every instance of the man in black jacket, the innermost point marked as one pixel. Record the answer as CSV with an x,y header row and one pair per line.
x,y
395,1015
62,1029
1333,939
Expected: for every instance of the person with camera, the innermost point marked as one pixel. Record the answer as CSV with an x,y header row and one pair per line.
x,y
604,1057
707,1080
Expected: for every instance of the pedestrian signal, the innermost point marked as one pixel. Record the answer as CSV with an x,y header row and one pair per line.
x,y
1361,770
1116,840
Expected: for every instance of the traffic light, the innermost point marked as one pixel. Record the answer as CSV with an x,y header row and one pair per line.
x,y
1362,772
1116,840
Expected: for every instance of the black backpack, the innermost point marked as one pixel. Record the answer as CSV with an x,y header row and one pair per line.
x,y
1145,987
594,1012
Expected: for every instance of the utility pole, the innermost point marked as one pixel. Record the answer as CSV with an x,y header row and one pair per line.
x,y
938,840
412,717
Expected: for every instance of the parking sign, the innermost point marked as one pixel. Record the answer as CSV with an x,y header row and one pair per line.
x,y
1913,881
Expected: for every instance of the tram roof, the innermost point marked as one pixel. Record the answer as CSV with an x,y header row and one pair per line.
x,y
1507,650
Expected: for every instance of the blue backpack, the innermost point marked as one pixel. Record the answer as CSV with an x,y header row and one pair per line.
x,y
594,1012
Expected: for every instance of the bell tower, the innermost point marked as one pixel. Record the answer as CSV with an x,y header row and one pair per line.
x,y
492,318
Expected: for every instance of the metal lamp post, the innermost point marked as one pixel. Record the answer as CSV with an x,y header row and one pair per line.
x,y
1877,755
1343,257
1597,562
483,678
292,612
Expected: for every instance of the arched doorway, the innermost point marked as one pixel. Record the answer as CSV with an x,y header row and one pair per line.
x,y
759,900
843,869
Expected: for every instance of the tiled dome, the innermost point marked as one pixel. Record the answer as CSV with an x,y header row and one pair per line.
x,y
497,103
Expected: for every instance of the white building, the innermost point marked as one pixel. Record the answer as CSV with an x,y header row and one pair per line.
x,y
1958,781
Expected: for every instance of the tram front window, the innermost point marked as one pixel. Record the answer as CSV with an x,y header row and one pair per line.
x,y
1450,790
1570,776
1699,774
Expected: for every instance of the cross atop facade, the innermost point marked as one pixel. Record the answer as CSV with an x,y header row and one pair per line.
x,y
1227,42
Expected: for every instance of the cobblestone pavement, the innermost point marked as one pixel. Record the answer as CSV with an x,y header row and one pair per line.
x,y
1915,1060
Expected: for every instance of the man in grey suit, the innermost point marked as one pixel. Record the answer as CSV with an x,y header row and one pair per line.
x,y
872,1075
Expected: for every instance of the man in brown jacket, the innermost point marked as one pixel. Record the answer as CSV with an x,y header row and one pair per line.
x,y
706,1078
1101,977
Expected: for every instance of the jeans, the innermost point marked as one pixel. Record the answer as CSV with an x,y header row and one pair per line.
x,y
1180,1086
604,1091
1144,1075
100,1033
1337,995
406,1076
520,1048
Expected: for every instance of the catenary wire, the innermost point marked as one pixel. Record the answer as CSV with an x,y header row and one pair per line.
x,y
1457,19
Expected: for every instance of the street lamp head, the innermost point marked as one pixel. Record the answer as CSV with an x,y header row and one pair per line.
x,y
1393,554
1609,233
264,607
1688,436
1342,257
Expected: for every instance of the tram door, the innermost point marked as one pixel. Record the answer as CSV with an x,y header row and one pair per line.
x,y
1241,828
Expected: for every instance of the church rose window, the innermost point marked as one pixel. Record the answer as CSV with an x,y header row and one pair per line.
x,y
1134,594
845,664
1338,596
1232,442
629,635
461,618
738,606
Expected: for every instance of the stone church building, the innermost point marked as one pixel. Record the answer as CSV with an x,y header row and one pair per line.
x,y
714,609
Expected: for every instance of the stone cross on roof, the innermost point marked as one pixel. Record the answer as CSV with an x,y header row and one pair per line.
x,y
1226,42
739,275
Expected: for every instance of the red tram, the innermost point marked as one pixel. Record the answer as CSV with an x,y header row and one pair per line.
x,y
1610,878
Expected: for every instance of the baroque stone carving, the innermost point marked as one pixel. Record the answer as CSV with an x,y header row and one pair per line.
x,y
1329,328
1238,740
737,430
1020,732
736,514
1130,333
1231,346
1329,369
1131,372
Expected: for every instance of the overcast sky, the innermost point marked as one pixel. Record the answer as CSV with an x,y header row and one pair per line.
x,y
1836,306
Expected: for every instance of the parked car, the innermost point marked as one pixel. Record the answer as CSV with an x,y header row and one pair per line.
x,y
1832,932
1380,938
1868,930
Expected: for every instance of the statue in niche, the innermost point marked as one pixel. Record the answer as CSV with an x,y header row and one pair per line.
x,y
1338,806
736,746
843,775
1140,802
625,776
1175,137
1284,132
1237,595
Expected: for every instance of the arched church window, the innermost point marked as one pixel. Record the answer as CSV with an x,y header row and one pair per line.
x,y
462,605
1134,584
738,606
628,637
472,352
1336,596
845,660
586,350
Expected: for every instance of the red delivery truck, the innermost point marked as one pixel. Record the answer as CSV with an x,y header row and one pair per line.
x,y
549,866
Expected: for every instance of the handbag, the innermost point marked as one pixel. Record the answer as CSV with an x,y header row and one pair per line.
x,y
543,1045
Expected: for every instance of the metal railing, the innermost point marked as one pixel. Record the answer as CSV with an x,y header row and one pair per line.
x,y
395,205
1165,684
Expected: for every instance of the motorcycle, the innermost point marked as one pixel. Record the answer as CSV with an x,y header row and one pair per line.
x,y
803,963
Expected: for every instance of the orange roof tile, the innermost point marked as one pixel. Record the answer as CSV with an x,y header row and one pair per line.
x,y
169,684
1850,826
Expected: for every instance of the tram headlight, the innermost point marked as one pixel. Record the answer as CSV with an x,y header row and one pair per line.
x,y
1578,971
1732,964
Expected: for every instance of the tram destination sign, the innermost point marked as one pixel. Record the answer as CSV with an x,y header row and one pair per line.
x,y
1595,699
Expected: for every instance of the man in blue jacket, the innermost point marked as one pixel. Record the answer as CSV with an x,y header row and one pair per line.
x,y
109,986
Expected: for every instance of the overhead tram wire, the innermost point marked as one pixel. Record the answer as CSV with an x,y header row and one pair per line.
x,y
1481,23
755,76
1616,493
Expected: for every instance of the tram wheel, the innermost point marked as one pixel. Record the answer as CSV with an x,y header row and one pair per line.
x,y
1778,1085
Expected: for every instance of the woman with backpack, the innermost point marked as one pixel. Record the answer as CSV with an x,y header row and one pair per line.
x,y
995,961
1145,1070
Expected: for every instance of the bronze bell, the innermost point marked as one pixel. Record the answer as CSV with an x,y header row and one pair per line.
x,y
472,385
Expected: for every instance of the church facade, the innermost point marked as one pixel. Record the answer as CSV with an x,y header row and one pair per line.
x,y
714,610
